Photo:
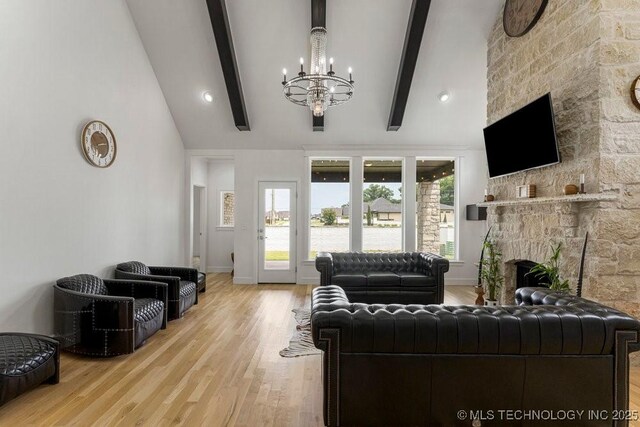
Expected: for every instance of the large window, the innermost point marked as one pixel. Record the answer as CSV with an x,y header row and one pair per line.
x,y
435,207
382,206
329,213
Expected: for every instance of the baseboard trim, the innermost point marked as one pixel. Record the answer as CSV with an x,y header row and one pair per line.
x,y
460,282
219,269
313,280
243,280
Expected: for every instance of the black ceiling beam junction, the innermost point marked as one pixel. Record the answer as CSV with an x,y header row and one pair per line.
x,y
318,19
412,41
222,34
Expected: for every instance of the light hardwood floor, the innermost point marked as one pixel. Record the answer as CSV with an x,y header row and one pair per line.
x,y
217,366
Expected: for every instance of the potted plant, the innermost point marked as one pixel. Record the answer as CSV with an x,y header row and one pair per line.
x,y
491,275
550,271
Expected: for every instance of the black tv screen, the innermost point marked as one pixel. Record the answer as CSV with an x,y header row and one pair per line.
x,y
525,139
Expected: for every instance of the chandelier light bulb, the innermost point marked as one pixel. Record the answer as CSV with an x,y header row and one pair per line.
x,y
331,61
208,97
284,71
350,70
301,60
333,89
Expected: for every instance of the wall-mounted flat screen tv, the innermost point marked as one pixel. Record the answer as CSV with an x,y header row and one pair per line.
x,y
525,139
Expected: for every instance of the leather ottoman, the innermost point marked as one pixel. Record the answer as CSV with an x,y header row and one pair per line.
x,y
26,361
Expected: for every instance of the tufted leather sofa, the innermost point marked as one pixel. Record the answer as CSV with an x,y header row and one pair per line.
x,y
421,364
97,317
181,282
404,278
26,361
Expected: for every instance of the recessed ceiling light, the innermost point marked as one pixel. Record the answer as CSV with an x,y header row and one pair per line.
x,y
208,97
444,96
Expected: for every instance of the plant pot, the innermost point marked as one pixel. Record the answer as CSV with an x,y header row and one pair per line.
x,y
491,302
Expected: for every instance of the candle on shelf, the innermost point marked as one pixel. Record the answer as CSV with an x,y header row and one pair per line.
x,y
582,184
581,178
486,193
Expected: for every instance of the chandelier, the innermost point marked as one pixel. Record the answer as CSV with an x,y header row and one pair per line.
x,y
320,89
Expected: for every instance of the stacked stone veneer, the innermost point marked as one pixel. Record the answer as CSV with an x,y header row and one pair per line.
x,y
586,53
428,206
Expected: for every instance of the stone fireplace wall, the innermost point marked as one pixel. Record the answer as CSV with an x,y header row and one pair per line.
x,y
586,53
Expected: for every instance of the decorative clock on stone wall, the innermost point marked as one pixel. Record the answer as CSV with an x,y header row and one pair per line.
x,y
98,144
520,16
635,92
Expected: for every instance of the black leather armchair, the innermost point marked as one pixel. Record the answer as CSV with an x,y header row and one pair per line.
x,y
181,282
97,317
404,278
421,364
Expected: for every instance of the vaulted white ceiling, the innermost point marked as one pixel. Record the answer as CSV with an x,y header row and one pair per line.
x,y
367,35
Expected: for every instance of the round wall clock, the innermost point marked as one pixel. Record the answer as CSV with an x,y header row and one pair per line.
x,y
635,92
98,144
520,16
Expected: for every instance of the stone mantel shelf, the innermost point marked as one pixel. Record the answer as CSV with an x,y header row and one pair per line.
x,y
578,198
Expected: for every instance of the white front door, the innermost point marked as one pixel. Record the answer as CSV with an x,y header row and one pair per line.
x,y
277,232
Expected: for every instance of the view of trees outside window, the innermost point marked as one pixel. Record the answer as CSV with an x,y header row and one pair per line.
x,y
435,212
330,218
382,206
329,213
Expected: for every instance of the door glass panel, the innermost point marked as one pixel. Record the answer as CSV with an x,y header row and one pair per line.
x,y
277,228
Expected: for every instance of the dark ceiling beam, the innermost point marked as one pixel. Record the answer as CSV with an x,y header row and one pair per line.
x,y
222,34
318,19
412,41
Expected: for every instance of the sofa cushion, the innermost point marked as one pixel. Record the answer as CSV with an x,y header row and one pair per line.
x,y
145,309
187,288
135,267
416,279
349,280
384,278
148,314
84,283
361,263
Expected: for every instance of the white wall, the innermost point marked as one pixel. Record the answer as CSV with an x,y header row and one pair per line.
x,y
63,63
252,166
220,239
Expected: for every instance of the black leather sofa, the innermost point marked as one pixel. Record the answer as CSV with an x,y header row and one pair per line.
x,y
420,365
404,278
